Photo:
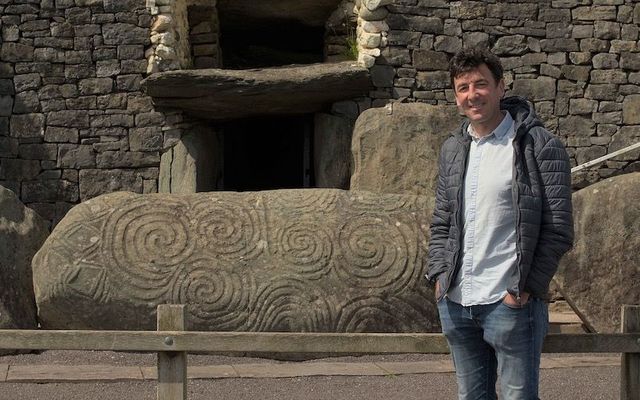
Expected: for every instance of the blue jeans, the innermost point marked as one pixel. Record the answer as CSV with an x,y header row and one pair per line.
x,y
492,339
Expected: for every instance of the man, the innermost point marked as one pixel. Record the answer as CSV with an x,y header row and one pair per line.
x,y
502,221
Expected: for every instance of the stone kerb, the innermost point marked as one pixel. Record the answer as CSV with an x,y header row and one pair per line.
x,y
600,273
22,232
315,260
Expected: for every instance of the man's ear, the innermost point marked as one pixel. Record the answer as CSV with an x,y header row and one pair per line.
x,y
501,88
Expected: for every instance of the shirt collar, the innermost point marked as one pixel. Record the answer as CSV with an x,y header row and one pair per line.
x,y
501,130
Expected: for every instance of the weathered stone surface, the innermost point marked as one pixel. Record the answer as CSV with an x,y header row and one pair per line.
x,y
127,159
145,139
631,110
511,45
94,182
289,260
416,23
223,94
605,61
16,52
49,191
17,169
332,150
27,125
600,273
395,149
117,34
575,125
22,232
433,80
543,88
468,9
630,61
430,60
382,75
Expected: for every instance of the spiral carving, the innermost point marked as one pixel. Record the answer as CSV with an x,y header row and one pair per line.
x,y
305,246
146,242
290,305
369,314
375,253
216,298
228,228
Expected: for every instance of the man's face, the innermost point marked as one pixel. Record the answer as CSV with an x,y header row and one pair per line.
x,y
478,97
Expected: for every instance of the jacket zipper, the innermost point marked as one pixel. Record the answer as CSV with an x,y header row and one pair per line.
x,y
516,196
458,218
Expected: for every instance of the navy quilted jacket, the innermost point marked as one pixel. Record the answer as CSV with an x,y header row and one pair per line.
x,y
541,193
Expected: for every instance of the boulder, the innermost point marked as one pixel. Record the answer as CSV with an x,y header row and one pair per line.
x,y
395,149
314,260
221,94
22,232
601,272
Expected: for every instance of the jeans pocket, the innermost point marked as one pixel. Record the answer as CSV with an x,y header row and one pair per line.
x,y
517,306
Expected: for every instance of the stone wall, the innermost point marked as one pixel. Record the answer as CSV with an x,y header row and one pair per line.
x,y
577,60
73,121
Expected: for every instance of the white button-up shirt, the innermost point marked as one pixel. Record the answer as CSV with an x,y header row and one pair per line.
x,y
489,228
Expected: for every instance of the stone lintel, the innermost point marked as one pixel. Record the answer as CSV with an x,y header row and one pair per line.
x,y
227,94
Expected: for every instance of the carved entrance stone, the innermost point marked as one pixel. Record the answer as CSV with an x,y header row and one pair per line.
x,y
310,260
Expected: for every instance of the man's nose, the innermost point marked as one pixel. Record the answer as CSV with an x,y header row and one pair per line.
x,y
473,92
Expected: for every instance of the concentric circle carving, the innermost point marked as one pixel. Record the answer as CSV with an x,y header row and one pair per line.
x,y
228,228
146,241
375,253
374,314
290,305
306,246
216,298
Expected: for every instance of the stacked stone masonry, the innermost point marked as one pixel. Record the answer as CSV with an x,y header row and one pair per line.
x,y
578,61
74,122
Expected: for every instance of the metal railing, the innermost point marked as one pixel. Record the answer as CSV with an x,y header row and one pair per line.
x,y
172,343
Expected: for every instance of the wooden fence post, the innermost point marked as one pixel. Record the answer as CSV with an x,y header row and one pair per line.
x,y
630,371
172,365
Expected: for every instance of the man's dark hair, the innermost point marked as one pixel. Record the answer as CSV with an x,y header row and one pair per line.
x,y
471,58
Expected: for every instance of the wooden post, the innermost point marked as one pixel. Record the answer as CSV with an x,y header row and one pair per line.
x,y
172,365
630,371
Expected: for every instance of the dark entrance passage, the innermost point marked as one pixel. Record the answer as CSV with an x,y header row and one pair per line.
x,y
271,44
268,153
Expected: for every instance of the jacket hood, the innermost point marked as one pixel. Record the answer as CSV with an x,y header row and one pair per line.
x,y
521,110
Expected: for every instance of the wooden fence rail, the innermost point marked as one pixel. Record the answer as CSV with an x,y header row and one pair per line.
x,y
172,343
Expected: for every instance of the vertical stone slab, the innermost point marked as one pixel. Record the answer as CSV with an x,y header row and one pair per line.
x,y
599,274
395,148
332,151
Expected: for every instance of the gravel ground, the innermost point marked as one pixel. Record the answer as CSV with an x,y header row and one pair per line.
x,y
560,384
589,383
